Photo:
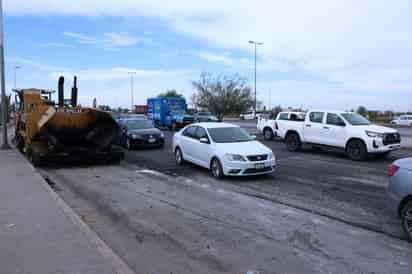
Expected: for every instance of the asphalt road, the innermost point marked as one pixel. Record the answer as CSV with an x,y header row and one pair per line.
x,y
319,213
324,182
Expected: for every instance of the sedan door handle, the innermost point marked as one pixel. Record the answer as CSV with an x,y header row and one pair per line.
x,y
308,125
326,127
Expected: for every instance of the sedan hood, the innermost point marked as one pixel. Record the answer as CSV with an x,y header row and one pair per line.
x,y
378,129
244,148
144,131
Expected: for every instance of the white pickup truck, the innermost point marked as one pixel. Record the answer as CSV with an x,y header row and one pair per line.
x,y
347,131
272,127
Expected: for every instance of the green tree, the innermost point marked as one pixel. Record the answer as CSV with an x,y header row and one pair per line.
x,y
222,95
362,111
171,93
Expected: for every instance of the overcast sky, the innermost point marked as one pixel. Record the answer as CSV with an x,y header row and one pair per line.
x,y
316,54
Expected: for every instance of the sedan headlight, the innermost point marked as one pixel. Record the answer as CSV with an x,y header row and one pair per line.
x,y
373,134
135,136
271,156
162,135
235,158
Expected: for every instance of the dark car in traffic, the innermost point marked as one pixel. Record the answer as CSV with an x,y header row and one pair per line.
x,y
205,116
140,133
399,193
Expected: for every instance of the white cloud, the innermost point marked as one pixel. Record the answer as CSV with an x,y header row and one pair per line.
x,y
216,58
110,41
55,45
363,46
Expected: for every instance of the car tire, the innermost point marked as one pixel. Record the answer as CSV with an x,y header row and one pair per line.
x,y
173,127
356,150
268,134
128,144
216,168
406,217
179,157
293,142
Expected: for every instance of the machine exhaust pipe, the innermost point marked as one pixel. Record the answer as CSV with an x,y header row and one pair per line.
x,y
74,92
61,91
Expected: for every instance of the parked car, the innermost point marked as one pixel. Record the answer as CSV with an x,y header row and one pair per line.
x,y
248,116
139,133
403,120
269,126
347,131
225,149
205,117
399,193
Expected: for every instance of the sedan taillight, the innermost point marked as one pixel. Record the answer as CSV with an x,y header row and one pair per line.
x,y
392,170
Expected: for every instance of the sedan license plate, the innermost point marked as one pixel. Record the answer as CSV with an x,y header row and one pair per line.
x,y
151,140
259,166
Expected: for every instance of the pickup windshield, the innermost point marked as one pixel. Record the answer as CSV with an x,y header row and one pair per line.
x,y
229,135
355,119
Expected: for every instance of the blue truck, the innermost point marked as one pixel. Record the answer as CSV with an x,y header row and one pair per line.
x,y
169,112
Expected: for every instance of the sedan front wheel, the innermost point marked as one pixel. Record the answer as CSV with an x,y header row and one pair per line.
x,y
216,169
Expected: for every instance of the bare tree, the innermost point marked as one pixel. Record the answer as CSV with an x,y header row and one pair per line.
x,y
222,95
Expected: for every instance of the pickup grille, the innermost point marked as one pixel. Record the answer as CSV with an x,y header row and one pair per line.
x,y
391,138
256,158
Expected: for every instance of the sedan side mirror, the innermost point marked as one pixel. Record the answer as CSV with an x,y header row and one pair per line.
x,y
204,140
342,124
253,137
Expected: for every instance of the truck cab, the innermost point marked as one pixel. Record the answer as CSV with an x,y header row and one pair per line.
x,y
169,112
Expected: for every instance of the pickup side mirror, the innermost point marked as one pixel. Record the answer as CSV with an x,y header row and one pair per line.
x,y
204,140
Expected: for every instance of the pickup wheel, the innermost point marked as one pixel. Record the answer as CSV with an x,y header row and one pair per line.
x,y
406,216
356,150
293,142
268,134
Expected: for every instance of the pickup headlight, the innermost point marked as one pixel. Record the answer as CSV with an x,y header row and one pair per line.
x,y
235,157
373,134
162,135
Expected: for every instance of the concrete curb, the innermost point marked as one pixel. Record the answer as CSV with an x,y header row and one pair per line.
x,y
108,254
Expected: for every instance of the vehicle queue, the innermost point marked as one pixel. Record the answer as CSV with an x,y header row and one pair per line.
x,y
228,150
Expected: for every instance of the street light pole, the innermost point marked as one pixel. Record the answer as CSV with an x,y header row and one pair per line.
x,y
255,45
15,76
132,89
4,106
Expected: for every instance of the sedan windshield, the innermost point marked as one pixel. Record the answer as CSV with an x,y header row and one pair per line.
x,y
138,124
229,135
356,119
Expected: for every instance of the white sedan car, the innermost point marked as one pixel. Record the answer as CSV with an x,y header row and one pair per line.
x,y
225,149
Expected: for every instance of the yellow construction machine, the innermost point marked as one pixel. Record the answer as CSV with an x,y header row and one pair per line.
x,y
47,131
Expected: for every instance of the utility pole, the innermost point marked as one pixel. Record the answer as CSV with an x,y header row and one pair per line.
x,y
255,45
4,107
132,89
